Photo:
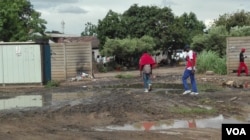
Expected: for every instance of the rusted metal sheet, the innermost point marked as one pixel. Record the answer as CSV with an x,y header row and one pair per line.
x,y
70,59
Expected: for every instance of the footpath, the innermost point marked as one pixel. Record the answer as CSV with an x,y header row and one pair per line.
x,y
156,71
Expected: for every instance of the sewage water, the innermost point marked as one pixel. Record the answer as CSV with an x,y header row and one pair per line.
x,y
29,101
21,102
214,122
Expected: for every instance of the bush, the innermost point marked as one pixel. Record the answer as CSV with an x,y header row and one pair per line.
x,y
52,84
211,61
109,66
101,67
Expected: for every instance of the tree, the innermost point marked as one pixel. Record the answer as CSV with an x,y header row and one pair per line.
x,y
239,18
137,22
186,27
235,24
19,21
240,31
90,29
152,21
111,27
127,46
128,50
214,40
168,31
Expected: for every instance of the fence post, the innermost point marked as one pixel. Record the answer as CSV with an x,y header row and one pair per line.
x,y
65,61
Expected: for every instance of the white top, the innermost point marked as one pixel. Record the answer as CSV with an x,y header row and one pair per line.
x,y
190,55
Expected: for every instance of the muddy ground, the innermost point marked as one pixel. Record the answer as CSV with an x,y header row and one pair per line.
x,y
110,108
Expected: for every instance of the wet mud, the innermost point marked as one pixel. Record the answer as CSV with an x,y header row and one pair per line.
x,y
118,109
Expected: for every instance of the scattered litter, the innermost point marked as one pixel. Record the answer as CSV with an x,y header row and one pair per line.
x,y
73,79
85,74
81,76
233,99
219,101
234,84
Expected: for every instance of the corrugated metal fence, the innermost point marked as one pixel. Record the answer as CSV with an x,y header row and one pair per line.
x,y
70,59
21,63
234,45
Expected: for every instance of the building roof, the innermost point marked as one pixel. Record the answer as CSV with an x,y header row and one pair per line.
x,y
58,35
17,43
66,38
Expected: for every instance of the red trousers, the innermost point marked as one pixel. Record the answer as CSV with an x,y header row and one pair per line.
x,y
242,65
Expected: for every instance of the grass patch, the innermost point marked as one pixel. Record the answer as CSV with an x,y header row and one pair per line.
x,y
192,111
211,61
51,84
124,76
206,101
209,87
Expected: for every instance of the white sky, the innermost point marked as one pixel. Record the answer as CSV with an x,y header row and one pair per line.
x,y
75,13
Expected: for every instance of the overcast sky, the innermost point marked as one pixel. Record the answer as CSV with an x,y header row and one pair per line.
x,y
75,13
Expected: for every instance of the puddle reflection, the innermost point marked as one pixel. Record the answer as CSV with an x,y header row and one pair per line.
x,y
169,124
21,102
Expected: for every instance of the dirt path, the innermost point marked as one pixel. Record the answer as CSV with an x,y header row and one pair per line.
x,y
118,109
157,71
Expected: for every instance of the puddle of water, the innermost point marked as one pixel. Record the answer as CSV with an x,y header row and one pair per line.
x,y
28,101
169,124
21,102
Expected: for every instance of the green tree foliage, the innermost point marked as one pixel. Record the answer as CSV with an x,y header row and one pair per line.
x,y
90,29
239,18
127,51
186,27
152,21
235,24
240,31
19,21
214,40
111,27
168,31
137,22
128,46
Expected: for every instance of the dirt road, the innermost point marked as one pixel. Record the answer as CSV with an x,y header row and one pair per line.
x,y
109,108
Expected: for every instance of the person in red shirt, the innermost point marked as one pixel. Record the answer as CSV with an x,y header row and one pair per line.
x,y
146,64
242,62
189,72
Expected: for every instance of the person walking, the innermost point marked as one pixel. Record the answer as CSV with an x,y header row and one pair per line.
x,y
242,63
189,72
146,64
